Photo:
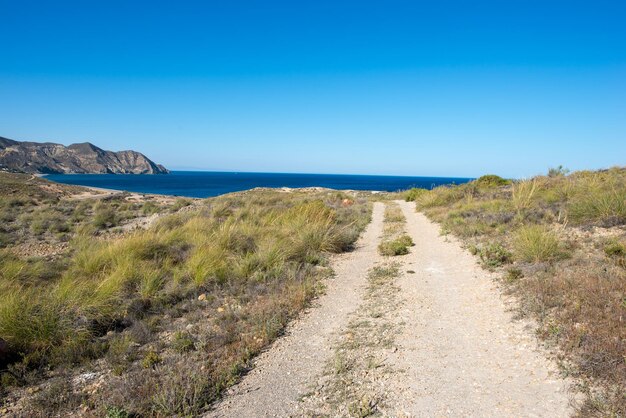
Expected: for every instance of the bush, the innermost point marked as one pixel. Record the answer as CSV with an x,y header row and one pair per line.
x,y
413,194
536,243
617,252
115,412
494,255
398,246
105,217
183,342
179,204
513,275
491,180
151,359
150,208
615,249
559,171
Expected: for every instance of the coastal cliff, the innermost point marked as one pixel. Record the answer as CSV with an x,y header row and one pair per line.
x,y
82,158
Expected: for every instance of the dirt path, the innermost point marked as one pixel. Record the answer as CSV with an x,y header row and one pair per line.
x,y
282,374
422,335
462,353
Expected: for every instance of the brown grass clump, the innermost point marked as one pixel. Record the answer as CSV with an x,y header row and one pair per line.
x,y
551,233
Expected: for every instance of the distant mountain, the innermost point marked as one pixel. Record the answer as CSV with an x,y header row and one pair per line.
x,y
84,158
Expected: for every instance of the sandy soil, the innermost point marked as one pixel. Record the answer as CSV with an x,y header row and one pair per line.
x,y
455,350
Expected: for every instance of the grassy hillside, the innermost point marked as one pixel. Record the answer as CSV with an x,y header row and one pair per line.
x,y
559,244
159,320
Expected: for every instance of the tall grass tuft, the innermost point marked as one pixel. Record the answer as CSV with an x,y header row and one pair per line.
x,y
522,193
606,206
536,243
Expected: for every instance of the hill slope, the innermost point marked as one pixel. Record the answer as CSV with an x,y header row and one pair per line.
x,y
48,158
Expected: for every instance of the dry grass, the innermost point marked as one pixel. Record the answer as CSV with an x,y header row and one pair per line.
x,y
537,243
235,270
565,271
40,214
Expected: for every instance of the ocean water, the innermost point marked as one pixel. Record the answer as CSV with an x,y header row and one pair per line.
x,y
207,184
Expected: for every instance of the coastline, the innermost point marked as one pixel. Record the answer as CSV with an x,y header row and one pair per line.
x,y
211,184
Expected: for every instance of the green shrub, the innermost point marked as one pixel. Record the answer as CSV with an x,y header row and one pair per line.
x,y
513,274
115,412
559,171
150,208
183,342
441,196
398,246
494,255
491,180
413,194
536,243
615,249
105,217
151,359
405,240
179,204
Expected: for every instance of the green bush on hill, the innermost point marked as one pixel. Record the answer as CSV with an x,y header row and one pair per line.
x,y
491,180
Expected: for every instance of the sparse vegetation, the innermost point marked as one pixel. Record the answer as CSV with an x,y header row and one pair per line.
x,y
235,268
558,171
359,362
493,255
183,342
550,233
395,241
398,246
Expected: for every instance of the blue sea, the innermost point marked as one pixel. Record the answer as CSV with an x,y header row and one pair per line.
x,y
208,184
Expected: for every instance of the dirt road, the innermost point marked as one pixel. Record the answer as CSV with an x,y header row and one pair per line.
x,y
282,374
443,345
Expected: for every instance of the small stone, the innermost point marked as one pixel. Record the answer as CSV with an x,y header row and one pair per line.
x,y
202,297
220,309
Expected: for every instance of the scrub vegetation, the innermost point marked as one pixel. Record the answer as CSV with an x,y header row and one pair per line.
x,y
157,320
559,243
395,240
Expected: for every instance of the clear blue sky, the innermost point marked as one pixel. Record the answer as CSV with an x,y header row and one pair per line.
x,y
457,88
